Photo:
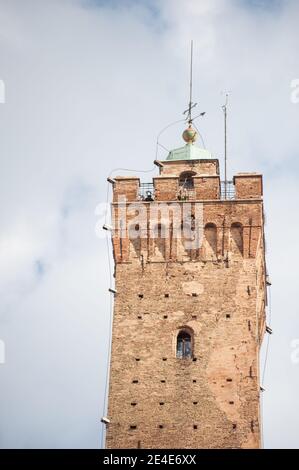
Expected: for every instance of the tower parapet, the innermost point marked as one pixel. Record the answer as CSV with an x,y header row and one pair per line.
x,y
169,185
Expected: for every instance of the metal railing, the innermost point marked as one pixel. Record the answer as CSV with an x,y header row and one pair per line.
x,y
186,194
227,190
147,192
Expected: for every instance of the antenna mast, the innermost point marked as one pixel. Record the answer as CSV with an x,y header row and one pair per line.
x,y
224,107
191,105
191,79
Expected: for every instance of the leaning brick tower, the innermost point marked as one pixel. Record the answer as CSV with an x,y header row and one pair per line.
x,y
189,308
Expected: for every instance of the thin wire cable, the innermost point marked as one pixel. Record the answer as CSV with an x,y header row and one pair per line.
x,y
262,420
129,169
163,147
268,339
164,129
107,199
264,370
270,306
110,326
201,137
107,368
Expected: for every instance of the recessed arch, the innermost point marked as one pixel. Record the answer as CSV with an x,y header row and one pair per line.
x,y
160,235
210,241
236,238
134,240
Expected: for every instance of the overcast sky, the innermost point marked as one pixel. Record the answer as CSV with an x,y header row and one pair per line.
x,y
88,86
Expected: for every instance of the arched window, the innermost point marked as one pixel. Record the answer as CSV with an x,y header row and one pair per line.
x,y
184,345
236,232
186,179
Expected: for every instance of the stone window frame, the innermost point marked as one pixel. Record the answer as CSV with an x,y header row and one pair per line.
x,y
190,332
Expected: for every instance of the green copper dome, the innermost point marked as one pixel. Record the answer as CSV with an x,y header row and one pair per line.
x,y
189,152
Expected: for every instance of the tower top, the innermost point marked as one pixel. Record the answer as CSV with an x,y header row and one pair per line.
x,y
190,151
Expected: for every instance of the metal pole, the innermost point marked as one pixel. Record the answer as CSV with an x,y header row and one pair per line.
x,y
191,79
225,151
225,146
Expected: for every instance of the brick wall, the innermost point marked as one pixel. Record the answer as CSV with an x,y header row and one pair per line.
x,y
248,186
201,167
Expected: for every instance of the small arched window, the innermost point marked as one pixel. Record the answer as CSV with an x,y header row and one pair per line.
x,y
186,180
184,345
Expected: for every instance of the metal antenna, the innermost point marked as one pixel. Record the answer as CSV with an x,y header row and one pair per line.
x,y
191,80
224,107
191,105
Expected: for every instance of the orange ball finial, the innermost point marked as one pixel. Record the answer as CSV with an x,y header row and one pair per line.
x,y
190,135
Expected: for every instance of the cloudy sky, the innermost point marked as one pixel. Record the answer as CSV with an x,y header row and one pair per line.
x,y
88,86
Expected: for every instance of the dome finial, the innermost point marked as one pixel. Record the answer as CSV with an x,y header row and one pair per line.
x,y
189,135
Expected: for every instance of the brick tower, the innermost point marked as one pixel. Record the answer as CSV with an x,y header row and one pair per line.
x,y
189,311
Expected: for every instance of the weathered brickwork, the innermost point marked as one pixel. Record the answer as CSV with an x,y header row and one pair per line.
x,y
216,292
202,167
248,185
